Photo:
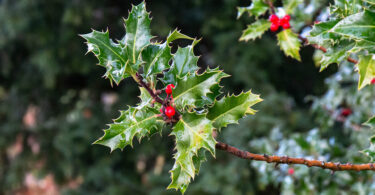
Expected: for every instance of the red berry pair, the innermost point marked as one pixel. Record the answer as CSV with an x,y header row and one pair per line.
x,y
169,110
277,22
168,90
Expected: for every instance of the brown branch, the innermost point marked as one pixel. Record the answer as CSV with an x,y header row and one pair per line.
x,y
270,4
289,160
139,79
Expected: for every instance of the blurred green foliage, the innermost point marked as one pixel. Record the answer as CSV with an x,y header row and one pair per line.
x,y
53,104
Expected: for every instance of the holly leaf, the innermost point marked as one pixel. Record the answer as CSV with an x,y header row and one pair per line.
x,y
321,34
193,132
289,43
370,122
111,55
336,54
157,56
255,30
257,8
366,70
290,5
121,59
194,87
229,109
358,26
138,33
370,152
184,62
135,121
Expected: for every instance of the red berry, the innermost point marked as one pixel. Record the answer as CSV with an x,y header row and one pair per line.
x,y
274,27
274,19
346,112
169,111
168,90
290,171
316,22
286,25
161,110
286,17
373,81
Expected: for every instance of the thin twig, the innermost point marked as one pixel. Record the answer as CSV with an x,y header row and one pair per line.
x,y
139,80
323,49
289,160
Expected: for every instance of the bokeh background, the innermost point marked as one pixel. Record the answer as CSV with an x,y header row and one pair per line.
x,y
54,104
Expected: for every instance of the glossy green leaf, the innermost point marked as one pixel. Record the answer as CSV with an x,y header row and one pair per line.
x,y
255,30
135,121
366,70
137,31
344,8
229,109
193,132
289,43
336,54
184,62
257,8
110,55
358,26
321,33
193,87
122,59
156,56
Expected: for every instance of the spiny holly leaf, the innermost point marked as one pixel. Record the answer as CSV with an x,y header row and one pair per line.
x,y
122,59
358,26
370,152
157,56
344,8
255,30
321,34
289,43
137,31
368,46
290,5
366,69
193,132
136,121
257,8
229,109
336,54
370,122
110,55
184,62
193,87
209,99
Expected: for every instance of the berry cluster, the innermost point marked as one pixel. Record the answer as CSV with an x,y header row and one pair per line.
x,y
168,110
277,22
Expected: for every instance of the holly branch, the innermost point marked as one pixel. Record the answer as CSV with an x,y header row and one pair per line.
x,y
290,160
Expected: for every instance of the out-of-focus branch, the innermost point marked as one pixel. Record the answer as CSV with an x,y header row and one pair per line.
x,y
289,160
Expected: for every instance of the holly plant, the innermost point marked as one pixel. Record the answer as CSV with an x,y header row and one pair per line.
x,y
343,31
172,94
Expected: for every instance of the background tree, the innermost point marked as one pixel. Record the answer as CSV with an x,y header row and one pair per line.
x,y
61,87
